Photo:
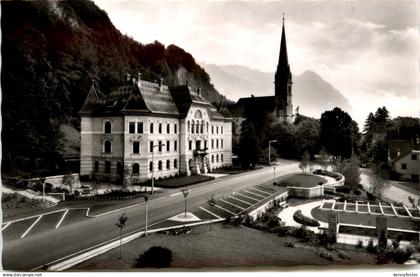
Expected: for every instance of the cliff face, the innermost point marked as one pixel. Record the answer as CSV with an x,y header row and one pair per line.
x,y
51,51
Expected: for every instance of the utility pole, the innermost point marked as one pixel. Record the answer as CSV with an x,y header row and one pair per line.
x,y
269,151
145,210
185,192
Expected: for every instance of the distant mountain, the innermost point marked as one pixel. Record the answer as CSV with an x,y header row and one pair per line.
x,y
51,52
311,93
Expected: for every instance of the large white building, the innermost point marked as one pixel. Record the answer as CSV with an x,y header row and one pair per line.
x,y
144,127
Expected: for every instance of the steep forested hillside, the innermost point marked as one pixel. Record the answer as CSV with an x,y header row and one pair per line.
x,y
51,51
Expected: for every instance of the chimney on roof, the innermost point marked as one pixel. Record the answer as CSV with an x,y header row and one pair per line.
x,y
128,77
139,79
198,91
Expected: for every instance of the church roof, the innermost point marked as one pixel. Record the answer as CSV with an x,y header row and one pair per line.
x,y
263,103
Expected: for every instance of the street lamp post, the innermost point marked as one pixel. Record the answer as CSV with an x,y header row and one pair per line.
x,y
269,151
145,211
274,175
185,192
153,166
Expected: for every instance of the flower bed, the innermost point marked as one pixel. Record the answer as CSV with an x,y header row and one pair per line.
x,y
304,220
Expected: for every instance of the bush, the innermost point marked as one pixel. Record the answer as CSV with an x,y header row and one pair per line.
x,y
370,196
282,231
343,189
156,256
371,248
327,256
326,239
303,233
400,255
357,192
300,218
289,244
359,244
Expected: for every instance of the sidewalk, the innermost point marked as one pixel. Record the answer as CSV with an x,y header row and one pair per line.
x,y
286,215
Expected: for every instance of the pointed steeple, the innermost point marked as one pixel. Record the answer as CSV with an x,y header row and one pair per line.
x,y
283,64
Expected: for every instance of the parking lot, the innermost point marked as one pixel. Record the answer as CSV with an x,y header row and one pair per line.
x,y
234,203
25,227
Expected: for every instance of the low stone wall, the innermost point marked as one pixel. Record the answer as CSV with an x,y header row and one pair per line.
x,y
57,181
313,192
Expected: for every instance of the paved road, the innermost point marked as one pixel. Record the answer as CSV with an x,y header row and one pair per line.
x,y
390,192
81,232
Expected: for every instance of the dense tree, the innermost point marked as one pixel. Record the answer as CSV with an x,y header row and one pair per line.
x,y
307,136
339,133
351,172
249,145
305,161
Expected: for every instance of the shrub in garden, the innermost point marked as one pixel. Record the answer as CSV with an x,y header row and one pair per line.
x,y
370,196
156,256
282,231
359,244
289,244
400,255
326,255
370,247
357,192
343,189
303,233
326,239
300,218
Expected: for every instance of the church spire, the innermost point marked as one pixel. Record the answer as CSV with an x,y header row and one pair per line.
x,y
283,58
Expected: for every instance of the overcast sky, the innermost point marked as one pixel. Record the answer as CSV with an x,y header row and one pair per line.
x,y
368,50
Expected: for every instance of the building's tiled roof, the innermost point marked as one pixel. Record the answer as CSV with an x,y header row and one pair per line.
x,y
398,149
145,98
264,103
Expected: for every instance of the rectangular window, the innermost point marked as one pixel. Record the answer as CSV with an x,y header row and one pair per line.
x,y
175,145
217,143
175,128
168,145
221,129
190,145
217,129
212,144
168,128
160,146
151,146
403,166
139,127
212,129
131,127
414,157
205,144
151,128
160,128
221,142
136,147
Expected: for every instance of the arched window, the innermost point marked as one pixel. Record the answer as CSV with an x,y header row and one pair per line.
x,y
192,128
217,158
136,169
168,164
198,114
107,146
151,166
96,166
175,163
160,165
107,167
188,126
120,170
207,127
107,127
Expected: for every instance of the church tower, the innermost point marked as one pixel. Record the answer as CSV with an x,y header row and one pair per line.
x,y
283,83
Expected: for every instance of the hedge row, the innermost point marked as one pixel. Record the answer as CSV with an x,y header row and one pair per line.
x,y
304,220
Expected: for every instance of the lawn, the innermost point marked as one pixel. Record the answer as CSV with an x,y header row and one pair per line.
x,y
304,180
182,181
14,204
222,247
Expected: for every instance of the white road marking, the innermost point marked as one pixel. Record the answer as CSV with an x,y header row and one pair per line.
x,y
241,200
210,213
249,197
62,218
255,194
5,226
261,191
29,229
229,203
217,206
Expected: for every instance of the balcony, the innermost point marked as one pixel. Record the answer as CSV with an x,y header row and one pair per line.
x,y
200,152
